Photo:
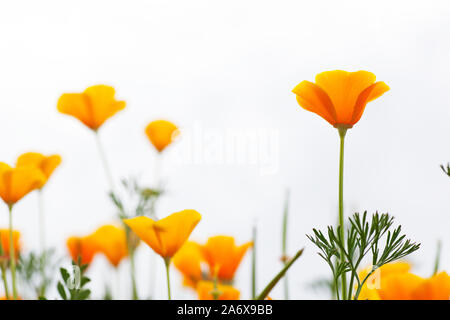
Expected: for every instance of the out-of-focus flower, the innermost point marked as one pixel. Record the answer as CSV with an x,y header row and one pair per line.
x,y
222,254
47,164
4,241
205,290
165,236
394,281
161,133
92,107
435,288
339,97
83,248
188,261
112,242
16,183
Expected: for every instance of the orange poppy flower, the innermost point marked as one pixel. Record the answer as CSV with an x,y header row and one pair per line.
x,y
165,236
339,96
394,281
16,183
161,133
112,242
83,248
435,288
226,292
4,242
222,254
47,164
92,107
188,261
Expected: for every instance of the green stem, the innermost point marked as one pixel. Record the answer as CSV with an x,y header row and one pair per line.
x,y
167,263
284,244
12,254
132,264
438,257
5,283
104,161
278,277
254,263
342,132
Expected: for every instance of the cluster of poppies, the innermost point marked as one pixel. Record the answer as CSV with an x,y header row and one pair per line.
x,y
339,97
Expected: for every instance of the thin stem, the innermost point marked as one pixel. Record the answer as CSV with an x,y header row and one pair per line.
x,y
253,283
131,250
284,243
362,284
41,220
167,263
5,283
342,132
12,254
438,257
278,277
104,161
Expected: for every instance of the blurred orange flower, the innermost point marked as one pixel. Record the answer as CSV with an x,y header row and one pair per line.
x,y
161,133
15,183
83,248
394,281
4,242
339,97
188,261
92,107
47,164
205,291
222,254
112,242
165,236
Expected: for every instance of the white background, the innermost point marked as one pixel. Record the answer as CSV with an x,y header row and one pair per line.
x,y
222,65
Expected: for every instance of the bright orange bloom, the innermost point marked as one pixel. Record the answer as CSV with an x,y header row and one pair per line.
x,y
92,107
83,248
165,236
188,261
222,254
112,242
226,292
4,242
393,281
435,288
16,183
339,96
161,133
47,164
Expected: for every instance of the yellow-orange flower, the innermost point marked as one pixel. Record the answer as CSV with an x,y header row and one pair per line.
x,y
226,292
188,261
112,242
16,183
339,97
165,236
161,133
47,164
83,248
394,281
223,256
92,107
4,241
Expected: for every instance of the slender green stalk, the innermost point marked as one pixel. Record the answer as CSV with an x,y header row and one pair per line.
x,y
438,257
5,283
104,161
167,263
253,283
278,277
342,132
12,254
132,264
284,244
